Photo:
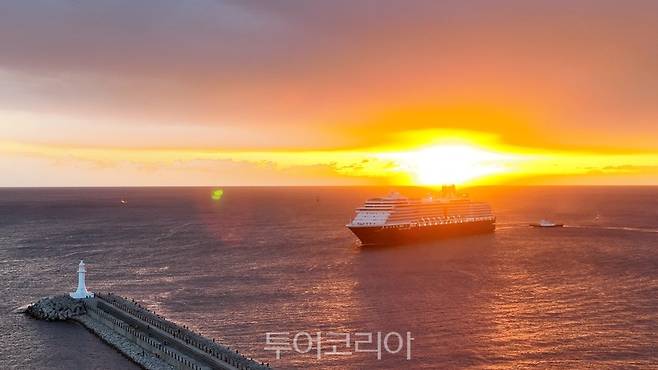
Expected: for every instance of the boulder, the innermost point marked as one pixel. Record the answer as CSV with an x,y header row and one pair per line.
x,y
57,308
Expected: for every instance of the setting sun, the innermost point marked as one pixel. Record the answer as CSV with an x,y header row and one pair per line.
x,y
450,163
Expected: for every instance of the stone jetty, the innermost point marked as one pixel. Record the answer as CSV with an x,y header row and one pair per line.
x,y
56,308
148,339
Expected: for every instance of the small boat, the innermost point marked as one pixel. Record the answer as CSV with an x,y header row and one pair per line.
x,y
123,201
546,223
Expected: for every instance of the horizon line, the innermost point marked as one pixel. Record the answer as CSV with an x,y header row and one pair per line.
x,y
332,186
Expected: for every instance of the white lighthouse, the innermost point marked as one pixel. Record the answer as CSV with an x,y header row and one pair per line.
x,y
82,291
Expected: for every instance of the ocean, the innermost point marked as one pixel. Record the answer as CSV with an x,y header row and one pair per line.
x,y
280,260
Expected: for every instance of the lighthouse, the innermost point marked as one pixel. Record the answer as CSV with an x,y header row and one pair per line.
x,y
82,291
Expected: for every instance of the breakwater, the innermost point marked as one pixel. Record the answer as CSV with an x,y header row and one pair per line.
x,y
142,335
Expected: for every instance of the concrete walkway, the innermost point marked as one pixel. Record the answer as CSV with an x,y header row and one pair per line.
x,y
176,345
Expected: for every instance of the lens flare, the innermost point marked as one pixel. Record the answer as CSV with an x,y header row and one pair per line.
x,y
217,194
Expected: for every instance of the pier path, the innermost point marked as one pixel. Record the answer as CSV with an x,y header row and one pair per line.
x,y
173,344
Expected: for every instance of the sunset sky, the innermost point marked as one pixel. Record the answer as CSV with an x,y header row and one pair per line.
x,y
211,92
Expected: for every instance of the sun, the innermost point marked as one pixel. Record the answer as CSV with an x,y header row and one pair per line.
x,y
450,163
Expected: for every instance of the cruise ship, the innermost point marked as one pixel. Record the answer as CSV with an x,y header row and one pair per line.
x,y
396,219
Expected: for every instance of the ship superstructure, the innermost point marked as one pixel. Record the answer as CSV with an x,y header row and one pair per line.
x,y
396,219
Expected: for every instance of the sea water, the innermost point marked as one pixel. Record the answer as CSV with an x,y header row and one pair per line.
x,y
280,260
